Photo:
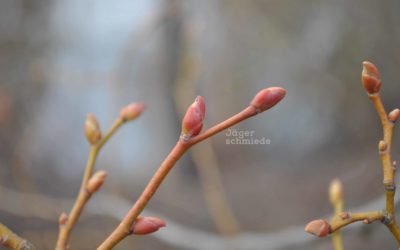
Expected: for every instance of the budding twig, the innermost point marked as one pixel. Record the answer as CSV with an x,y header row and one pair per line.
x,y
191,127
10,240
91,183
370,78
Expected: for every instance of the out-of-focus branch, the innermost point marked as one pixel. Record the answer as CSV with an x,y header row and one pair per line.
x,y
12,241
336,199
92,182
177,235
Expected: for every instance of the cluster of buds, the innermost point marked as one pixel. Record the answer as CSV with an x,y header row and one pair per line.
x,y
147,225
370,78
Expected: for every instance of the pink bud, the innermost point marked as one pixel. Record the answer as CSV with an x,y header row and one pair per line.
x,y
147,225
267,98
92,129
394,115
96,181
192,122
370,78
319,228
62,219
131,111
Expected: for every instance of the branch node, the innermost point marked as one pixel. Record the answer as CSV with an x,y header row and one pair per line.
x,y
389,185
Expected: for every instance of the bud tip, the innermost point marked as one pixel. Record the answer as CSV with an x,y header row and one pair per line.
x,y
319,228
394,115
96,181
370,78
147,225
132,111
192,122
267,98
92,129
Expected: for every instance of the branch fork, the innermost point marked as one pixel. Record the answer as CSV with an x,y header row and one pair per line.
x,y
370,78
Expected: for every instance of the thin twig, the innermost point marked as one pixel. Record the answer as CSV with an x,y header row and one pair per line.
x,y
12,241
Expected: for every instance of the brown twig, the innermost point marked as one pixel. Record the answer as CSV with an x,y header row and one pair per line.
x,y
191,126
92,182
12,241
372,83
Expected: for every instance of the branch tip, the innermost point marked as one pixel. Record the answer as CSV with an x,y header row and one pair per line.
x,y
267,98
147,225
336,191
96,181
131,111
92,129
192,122
319,228
370,78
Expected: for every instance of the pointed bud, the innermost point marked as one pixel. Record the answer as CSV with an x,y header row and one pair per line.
x,y
192,122
394,115
92,129
382,146
336,191
319,228
96,181
147,225
370,78
62,219
132,111
267,98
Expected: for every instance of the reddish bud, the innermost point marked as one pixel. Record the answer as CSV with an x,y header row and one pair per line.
x,y
192,122
131,111
394,115
319,228
62,219
92,129
96,181
370,78
147,225
267,98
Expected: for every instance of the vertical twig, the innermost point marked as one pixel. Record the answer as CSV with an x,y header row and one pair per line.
x,y
88,187
370,78
336,199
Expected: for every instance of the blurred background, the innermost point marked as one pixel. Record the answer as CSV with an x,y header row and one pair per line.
x,y
60,60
